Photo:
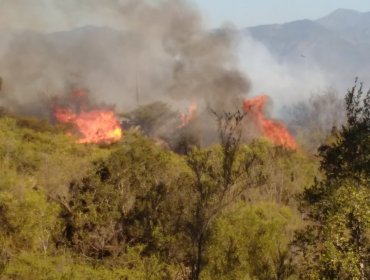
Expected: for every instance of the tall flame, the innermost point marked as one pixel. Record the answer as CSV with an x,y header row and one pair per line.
x,y
91,125
190,114
273,130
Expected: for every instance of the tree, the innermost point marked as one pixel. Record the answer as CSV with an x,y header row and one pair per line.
x,y
127,199
251,241
335,244
220,175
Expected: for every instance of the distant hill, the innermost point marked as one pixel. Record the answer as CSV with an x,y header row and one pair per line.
x,y
311,55
351,25
338,43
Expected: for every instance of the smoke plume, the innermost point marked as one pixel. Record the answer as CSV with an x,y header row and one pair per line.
x,y
142,51
285,82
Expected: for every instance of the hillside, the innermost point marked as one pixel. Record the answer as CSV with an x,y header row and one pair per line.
x,y
136,210
144,155
337,43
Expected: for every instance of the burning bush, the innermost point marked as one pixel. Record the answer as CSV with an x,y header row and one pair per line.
x,y
275,131
90,125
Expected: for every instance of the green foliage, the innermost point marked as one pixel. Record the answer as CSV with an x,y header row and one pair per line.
x,y
251,242
286,172
349,156
28,221
59,267
39,150
130,198
335,244
135,210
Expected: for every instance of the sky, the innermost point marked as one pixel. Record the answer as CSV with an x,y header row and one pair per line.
x,y
244,13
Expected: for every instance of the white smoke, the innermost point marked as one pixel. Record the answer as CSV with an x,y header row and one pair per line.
x,y
159,50
285,82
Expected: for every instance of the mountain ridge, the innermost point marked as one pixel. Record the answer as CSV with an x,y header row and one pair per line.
x,y
337,43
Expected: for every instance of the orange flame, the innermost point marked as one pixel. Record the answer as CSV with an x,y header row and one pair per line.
x,y
92,126
273,130
190,114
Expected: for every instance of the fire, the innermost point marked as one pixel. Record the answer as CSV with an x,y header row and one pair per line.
x,y
91,125
273,130
190,114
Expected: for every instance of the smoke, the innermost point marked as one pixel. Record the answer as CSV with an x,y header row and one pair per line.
x,y
313,120
286,82
134,52
142,51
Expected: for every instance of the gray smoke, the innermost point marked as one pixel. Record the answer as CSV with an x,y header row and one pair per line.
x,y
142,51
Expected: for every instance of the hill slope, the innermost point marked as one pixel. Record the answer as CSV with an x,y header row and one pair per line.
x,y
337,43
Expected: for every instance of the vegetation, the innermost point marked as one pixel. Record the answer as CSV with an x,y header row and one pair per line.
x,y
137,210
335,244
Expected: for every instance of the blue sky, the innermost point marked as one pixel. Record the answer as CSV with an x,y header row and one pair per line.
x,y
243,13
